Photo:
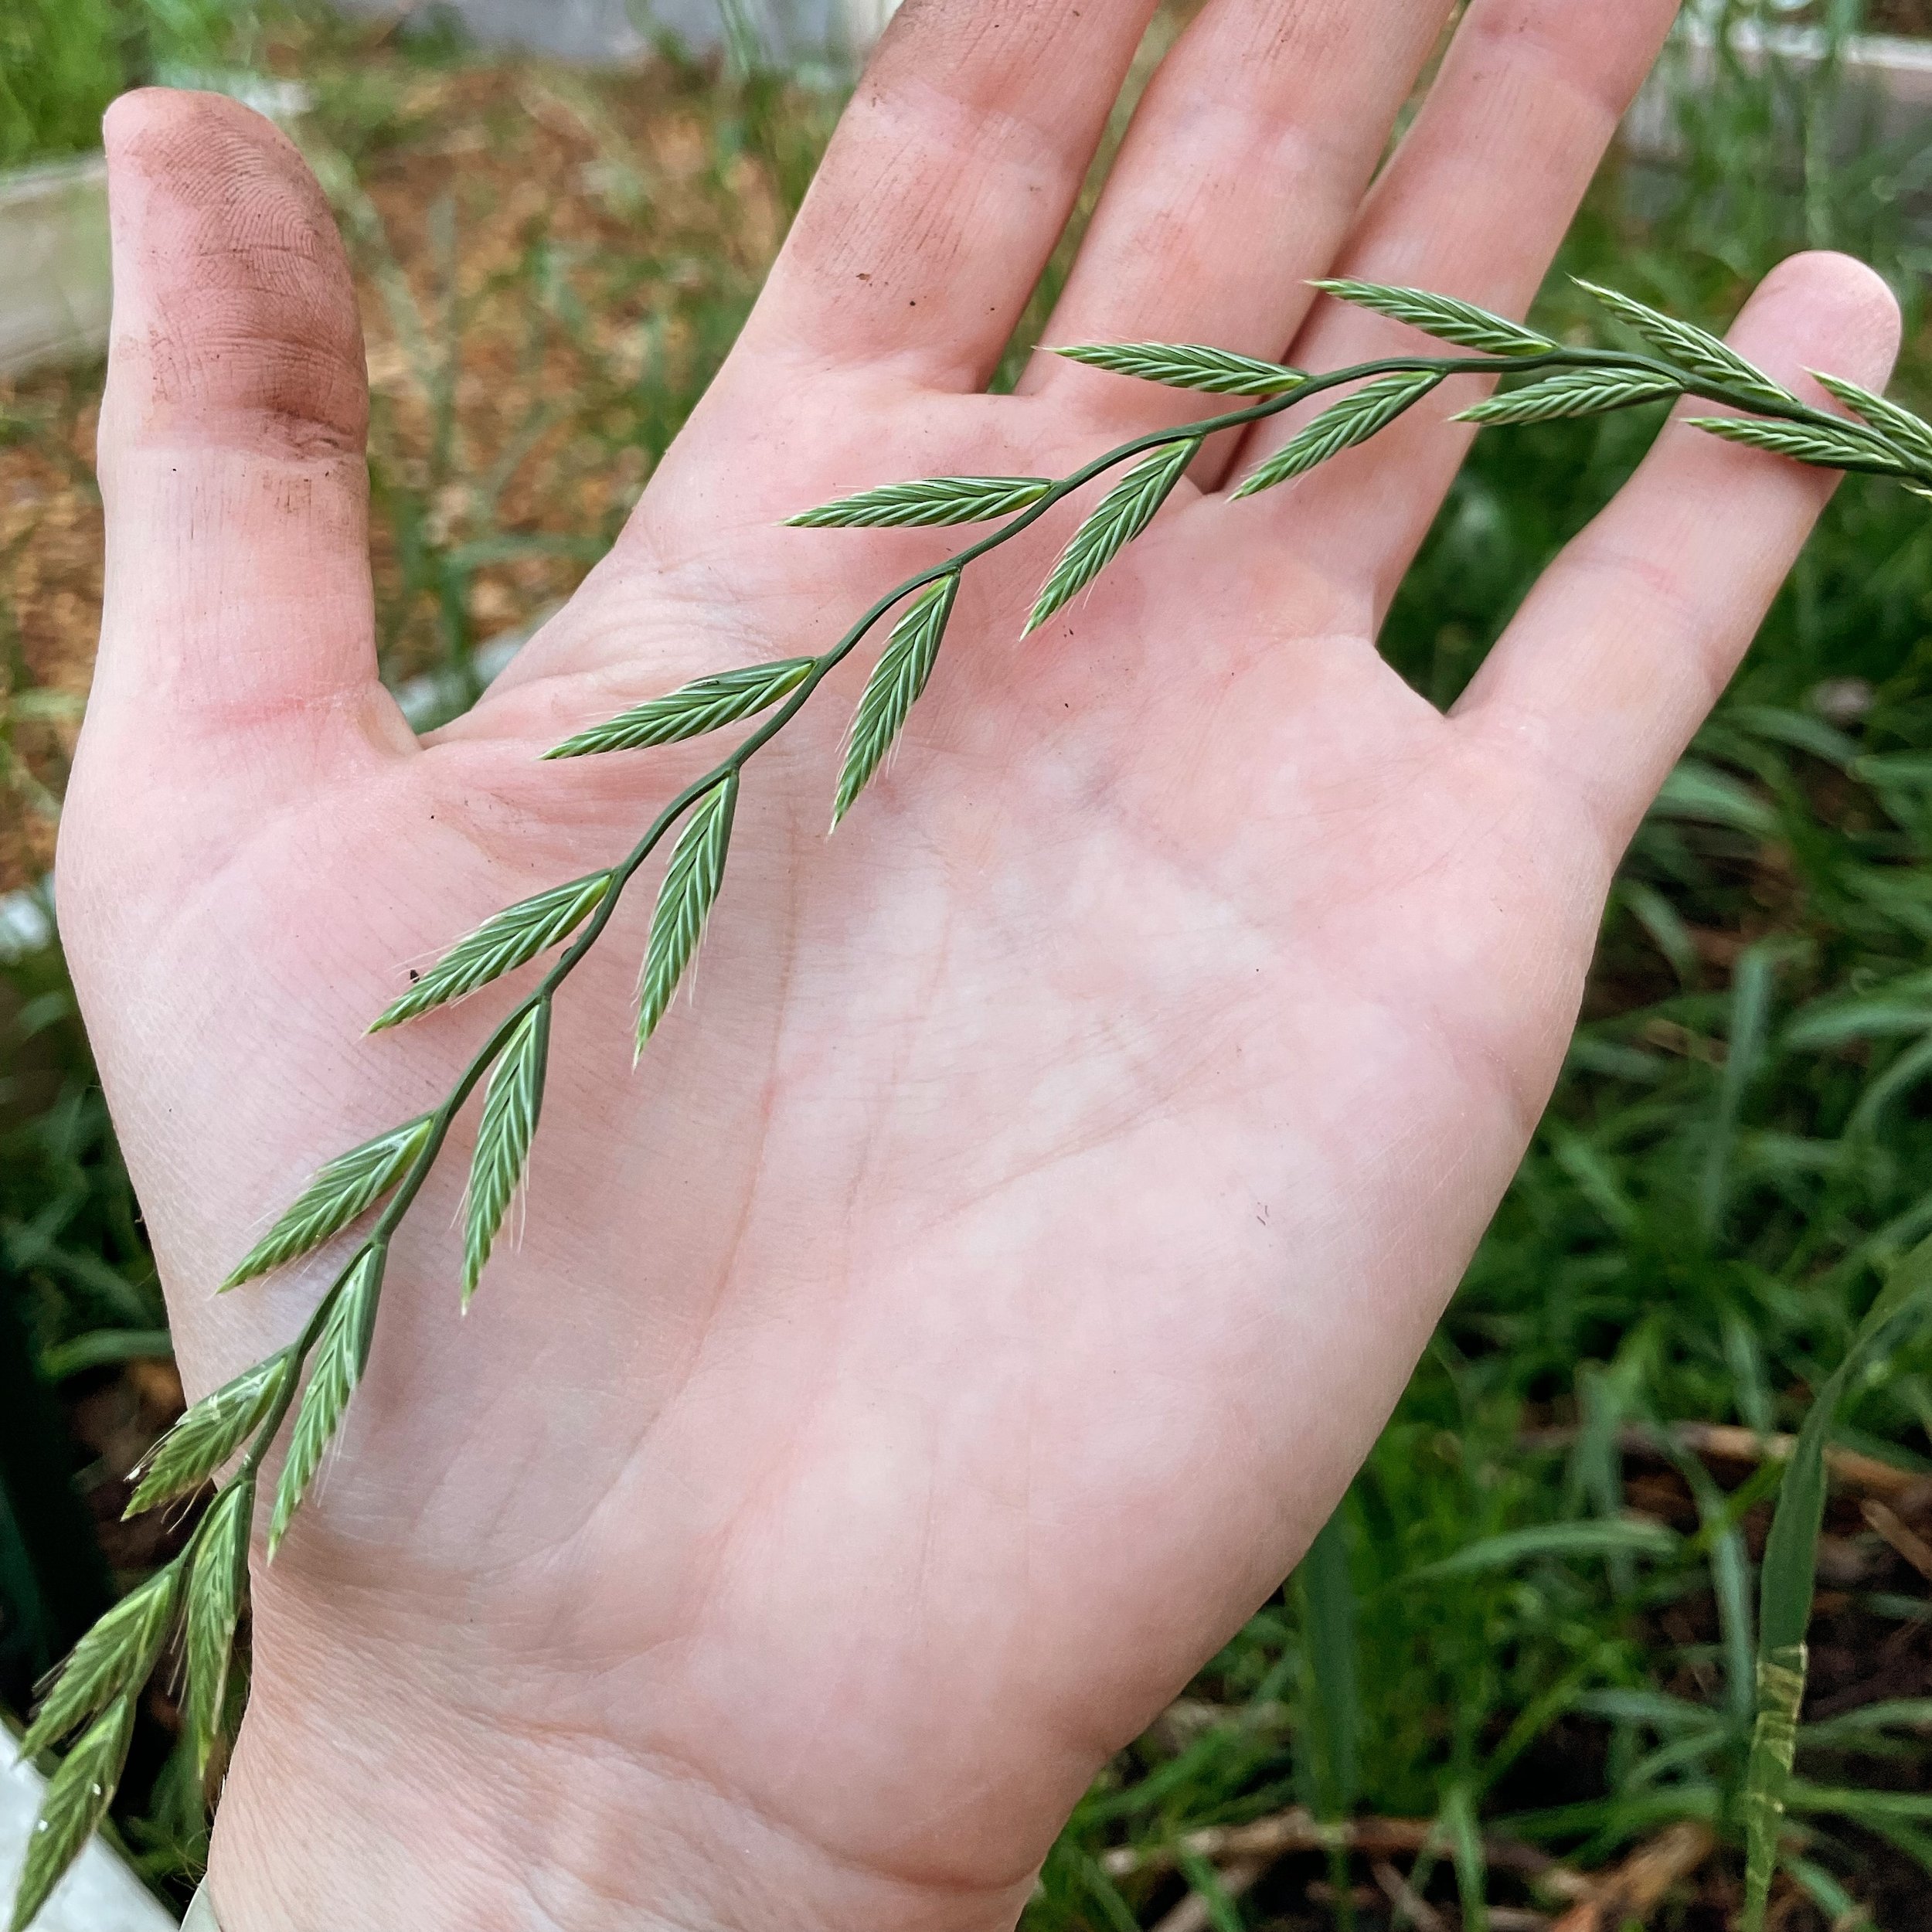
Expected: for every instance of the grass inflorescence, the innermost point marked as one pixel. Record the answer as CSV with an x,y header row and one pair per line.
x,y
1488,1662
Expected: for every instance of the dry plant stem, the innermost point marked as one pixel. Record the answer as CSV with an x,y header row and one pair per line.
x,y
1404,1902
1732,1442
1300,1830
1194,1914
1630,1893
1906,1541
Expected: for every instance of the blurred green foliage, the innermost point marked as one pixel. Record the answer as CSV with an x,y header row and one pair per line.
x,y
62,61
77,1288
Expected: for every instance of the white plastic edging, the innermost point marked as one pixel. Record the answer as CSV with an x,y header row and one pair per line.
x,y
25,928
428,701
802,33
99,1894
55,293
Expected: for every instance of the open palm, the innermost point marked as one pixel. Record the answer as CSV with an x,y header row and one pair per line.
x,y
968,1310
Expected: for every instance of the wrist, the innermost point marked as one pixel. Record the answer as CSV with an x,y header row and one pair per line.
x,y
358,1802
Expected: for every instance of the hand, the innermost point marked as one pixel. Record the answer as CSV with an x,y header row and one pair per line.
x,y
968,1311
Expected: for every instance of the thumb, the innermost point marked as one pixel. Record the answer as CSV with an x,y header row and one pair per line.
x,y
237,633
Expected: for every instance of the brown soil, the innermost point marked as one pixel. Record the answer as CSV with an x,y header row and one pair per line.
x,y
49,602
1912,17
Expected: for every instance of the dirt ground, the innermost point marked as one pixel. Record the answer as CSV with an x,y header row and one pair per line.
x,y
1900,16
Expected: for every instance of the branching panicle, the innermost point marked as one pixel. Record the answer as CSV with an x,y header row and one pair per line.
x,y
507,940
77,1798
1699,354
1837,449
114,1657
1217,372
342,1352
215,1584
102,1679
1906,433
1572,392
930,501
1443,317
1354,419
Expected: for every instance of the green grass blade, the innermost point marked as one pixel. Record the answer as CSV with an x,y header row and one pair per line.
x,y
1780,1693
1787,1583
1219,371
1106,1895
78,1795
1752,986
1730,1568
210,1432
1471,1863
1583,1540
509,940
349,1186
1442,316
1656,1710
1791,1550
1867,1806
215,1587
1119,517
1701,795
1223,1915
690,888
1621,1816
925,503
1329,1740
1842,1912
342,1353
1853,1728
893,688
511,1105
102,1349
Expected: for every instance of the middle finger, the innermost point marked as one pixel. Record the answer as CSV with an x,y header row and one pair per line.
x,y
1244,167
